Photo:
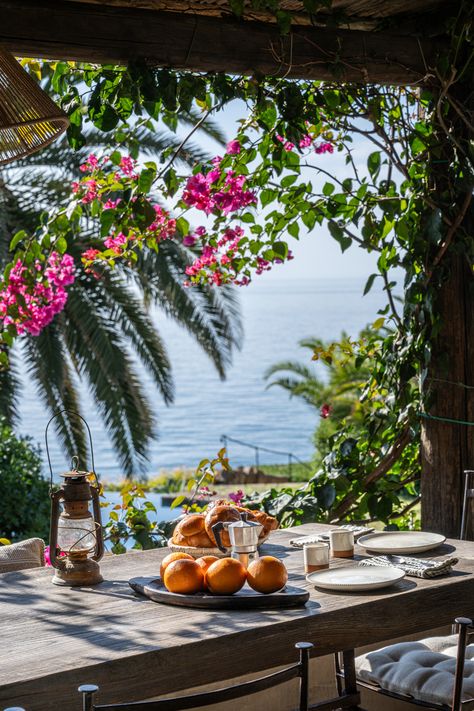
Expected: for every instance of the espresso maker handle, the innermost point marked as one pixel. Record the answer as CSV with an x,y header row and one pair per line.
x,y
216,529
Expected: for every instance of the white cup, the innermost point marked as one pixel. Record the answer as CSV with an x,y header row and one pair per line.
x,y
342,543
316,556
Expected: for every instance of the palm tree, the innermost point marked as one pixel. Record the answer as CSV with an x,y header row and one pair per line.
x,y
105,336
337,398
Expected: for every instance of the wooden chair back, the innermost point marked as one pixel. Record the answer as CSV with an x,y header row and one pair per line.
x,y
300,671
467,501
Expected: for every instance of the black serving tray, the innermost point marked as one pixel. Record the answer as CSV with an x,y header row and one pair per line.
x,y
245,599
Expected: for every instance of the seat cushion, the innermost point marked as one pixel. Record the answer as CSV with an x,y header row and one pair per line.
x,y
424,670
22,555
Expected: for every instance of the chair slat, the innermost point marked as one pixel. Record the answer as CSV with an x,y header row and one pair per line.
x,y
210,697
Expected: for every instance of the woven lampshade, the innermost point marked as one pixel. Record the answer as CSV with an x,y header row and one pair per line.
x,y
29,119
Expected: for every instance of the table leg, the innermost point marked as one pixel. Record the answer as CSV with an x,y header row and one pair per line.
x,y
350,681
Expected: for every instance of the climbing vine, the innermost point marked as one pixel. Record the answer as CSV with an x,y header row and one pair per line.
x,y
238,214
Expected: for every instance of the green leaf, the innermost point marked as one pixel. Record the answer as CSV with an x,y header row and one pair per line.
x,y
370,283
309,219
284,21
293,229
267,196
280,249
177,501
146,179
328,189
171,181
18,237
339,235
373,164
288,181
237,7
60,245
106,221
182,226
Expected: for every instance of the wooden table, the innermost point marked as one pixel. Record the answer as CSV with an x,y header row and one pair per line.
x,y
53,639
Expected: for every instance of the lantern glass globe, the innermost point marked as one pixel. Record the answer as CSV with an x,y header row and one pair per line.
x,y
76,535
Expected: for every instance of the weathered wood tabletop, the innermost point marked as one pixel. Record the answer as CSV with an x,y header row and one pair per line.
x,y
53,639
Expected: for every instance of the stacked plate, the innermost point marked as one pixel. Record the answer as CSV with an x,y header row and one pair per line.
x,y
356,578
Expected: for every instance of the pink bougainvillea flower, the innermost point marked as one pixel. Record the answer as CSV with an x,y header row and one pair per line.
x,y
236,496
306,141
233,148
325,411
47,556
162,226
116,243
112,204
91,191
189,240
89,255
324,148
127,165
36,303
287,145
91,164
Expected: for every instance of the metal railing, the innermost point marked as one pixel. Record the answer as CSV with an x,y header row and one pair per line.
x,y
292,458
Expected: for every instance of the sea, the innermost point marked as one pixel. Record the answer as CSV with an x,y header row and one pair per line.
x,y
276,314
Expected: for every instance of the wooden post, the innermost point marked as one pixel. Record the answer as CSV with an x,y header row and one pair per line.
x,y
448,448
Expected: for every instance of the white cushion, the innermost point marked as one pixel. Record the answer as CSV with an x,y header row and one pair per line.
x,y
22,555
423,670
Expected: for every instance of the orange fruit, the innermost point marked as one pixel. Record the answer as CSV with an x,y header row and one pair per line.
x,y
205,562
170,558
267,574
226,576
183,576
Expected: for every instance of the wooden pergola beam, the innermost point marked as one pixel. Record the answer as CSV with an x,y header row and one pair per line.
x,y
109,34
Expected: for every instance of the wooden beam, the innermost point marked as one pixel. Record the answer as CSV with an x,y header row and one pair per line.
x,y
109,34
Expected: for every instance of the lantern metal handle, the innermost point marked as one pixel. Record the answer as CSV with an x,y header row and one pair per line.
x,y
71,412
55,499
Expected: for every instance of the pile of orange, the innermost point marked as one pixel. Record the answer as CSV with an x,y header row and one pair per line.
x,y
180,573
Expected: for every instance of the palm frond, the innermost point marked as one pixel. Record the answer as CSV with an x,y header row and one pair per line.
x,y
10,391
210,126
126,312
101,358
48,367
211,315
293,367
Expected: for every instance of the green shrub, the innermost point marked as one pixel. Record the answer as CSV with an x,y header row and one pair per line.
x,y
24,492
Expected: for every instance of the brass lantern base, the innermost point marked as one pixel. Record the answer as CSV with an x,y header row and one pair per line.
x,y
75,571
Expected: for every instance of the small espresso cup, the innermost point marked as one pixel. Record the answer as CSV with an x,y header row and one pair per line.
x,y
316,556
342,544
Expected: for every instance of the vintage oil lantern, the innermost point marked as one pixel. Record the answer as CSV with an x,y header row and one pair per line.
x,y
76,539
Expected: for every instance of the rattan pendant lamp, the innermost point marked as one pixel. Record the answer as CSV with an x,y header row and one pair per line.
x,y
29,119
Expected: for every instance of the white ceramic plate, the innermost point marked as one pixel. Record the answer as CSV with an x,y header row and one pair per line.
x,y
354,578
401,541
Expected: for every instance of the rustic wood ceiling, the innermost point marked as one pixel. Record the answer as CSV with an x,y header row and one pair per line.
x,y
374,41
354,14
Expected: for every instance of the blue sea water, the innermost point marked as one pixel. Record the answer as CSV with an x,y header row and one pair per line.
x,y
276,315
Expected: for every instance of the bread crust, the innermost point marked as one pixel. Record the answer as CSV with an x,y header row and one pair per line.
x,y
190,531
191,524
221,511
195,530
